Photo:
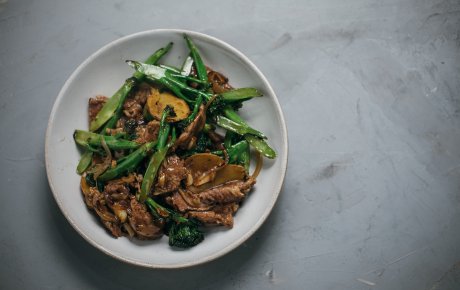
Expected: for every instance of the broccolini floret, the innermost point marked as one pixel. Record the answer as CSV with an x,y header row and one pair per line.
x,y
182,232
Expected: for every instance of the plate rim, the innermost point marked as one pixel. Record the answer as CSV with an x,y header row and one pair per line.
x,y
283,148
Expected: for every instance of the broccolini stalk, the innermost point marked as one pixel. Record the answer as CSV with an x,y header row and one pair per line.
x,y
187,78
182,232
91,140
170,68
164,128
129,163
112,106
158,157
177,74
199,65
191,117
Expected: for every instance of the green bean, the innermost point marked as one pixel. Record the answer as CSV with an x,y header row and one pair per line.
x,y
235,127
260,145
129,163
112,122
242,94
158,157
151,172
91,140
85,161
232,115
111,105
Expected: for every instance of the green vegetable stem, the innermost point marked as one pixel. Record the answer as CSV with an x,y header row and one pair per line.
x,y
158,157
198,61
91,140
182,232
129,163
112,108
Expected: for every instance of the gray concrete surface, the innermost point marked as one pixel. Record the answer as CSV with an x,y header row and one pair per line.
x,y
371,93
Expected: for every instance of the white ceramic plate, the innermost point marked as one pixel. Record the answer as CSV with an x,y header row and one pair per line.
x,y
103,73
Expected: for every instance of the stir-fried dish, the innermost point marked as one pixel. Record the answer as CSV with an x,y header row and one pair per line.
x,y
168,153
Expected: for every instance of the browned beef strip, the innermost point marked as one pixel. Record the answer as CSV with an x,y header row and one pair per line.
x,y
141,221
185,138
132,109
211,218
214,206
89,196
134,104
119,188
96,201
116,190
208,215
95,105
170,175
177,201
147,133
233,191
219,215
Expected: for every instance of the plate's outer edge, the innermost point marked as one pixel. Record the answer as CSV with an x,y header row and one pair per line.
x,y
284,148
